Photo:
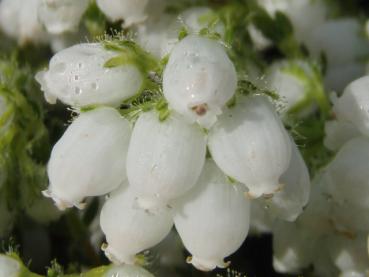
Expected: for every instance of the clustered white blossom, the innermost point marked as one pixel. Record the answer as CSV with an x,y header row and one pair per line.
x,y
219,164
156,170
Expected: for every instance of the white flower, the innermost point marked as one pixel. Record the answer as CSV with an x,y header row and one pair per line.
x,y
195,19
212,219
127,271
60,16
9,267
293,247
199,79
18,19
250,144
129,229
90,158
343,61
159,35
77,77
353,105
292,81
349,254
164,159
132,12
288,203
347,176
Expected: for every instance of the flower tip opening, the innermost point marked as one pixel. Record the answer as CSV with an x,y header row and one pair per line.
x,y
207,265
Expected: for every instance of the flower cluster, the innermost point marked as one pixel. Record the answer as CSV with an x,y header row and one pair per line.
x,y
215,123
154,166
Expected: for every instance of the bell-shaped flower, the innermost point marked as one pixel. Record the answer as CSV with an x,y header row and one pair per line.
x,y
129,229
19,20
212,219
199,79
165,158
60,16
90,157
132,12
249,143
288,203
347,176
353,105
77,77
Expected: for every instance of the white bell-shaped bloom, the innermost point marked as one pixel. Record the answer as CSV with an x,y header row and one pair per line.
x,y
132,12
292,81
249,143
127,271
158,36
349,254
353,105
317,216
293,247
77,77
347,176
60,16
129,229
344,61
18,19
165,158
304,15
288,203
9,267
197,18
212,219
90,158
199,79
337,133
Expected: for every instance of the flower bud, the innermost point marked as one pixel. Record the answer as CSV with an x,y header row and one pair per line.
x,y
129,229
165,158
199,79
77,77
250,144
90,158
60,16
337,133
212,219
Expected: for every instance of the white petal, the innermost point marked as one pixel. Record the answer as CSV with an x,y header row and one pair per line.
x,y
212,219
77,77
288,203
353,105
164,159
348,174
130,230
250,144
337,133
59,16
199,79
293,248
90,158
